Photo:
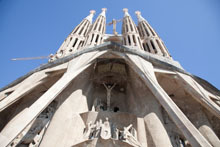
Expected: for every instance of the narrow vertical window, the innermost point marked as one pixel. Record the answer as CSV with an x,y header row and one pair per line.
x,y
129,40
92,38
97,37
144,47
147,47
134,40
75,42
153,46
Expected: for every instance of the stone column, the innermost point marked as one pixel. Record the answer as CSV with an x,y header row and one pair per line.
x,y
141,131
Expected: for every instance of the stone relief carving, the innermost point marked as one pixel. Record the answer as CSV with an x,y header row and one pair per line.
x,y
33,134
108,130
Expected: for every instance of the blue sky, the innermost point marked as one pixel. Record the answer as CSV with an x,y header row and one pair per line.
x,y
30,28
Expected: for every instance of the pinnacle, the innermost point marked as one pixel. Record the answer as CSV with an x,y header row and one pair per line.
x,y
137,13
90,16
126,12
140,18
103,11
92,11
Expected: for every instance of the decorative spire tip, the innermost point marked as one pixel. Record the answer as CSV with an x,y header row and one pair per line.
x,y
125,9
92,11
104,9
137,13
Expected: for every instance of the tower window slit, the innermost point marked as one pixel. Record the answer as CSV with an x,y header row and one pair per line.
x,y
75,42
147,47
153,46
147,32
97,37
82,43
152,31
79,44
144,47
129,40
134,40
91,38
71,38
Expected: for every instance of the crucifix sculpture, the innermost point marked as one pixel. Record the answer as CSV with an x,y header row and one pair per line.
x,y
114,22
109,89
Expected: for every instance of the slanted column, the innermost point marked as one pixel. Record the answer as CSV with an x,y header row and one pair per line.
x,y
97,32
151,41
205,129
130,34
75,39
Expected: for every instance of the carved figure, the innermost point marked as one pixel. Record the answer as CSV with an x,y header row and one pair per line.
x,y
109,89
106,130
114,22
129,138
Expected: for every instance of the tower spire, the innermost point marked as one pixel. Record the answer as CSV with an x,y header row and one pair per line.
x,y
150,40
129,31
103,12
126,12
75,39
90,16
95,36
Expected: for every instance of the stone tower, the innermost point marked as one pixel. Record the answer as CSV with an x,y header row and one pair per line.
x,y
110,90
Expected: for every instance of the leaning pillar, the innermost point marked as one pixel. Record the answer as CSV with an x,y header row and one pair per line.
x,y
156,130
141,132
205,129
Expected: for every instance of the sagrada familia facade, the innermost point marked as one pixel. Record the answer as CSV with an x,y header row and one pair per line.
x,y
108,90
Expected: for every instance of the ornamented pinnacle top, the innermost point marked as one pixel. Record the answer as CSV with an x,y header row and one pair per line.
x,y
126,12
125,9
140,18
137,13
103,11
89,18
92,11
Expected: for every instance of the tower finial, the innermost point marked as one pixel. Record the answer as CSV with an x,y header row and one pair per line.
x,y
126,12
90,16
140,18
92,11
103,11
137,13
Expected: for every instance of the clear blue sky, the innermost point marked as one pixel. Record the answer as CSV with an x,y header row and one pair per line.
x,y
30,28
